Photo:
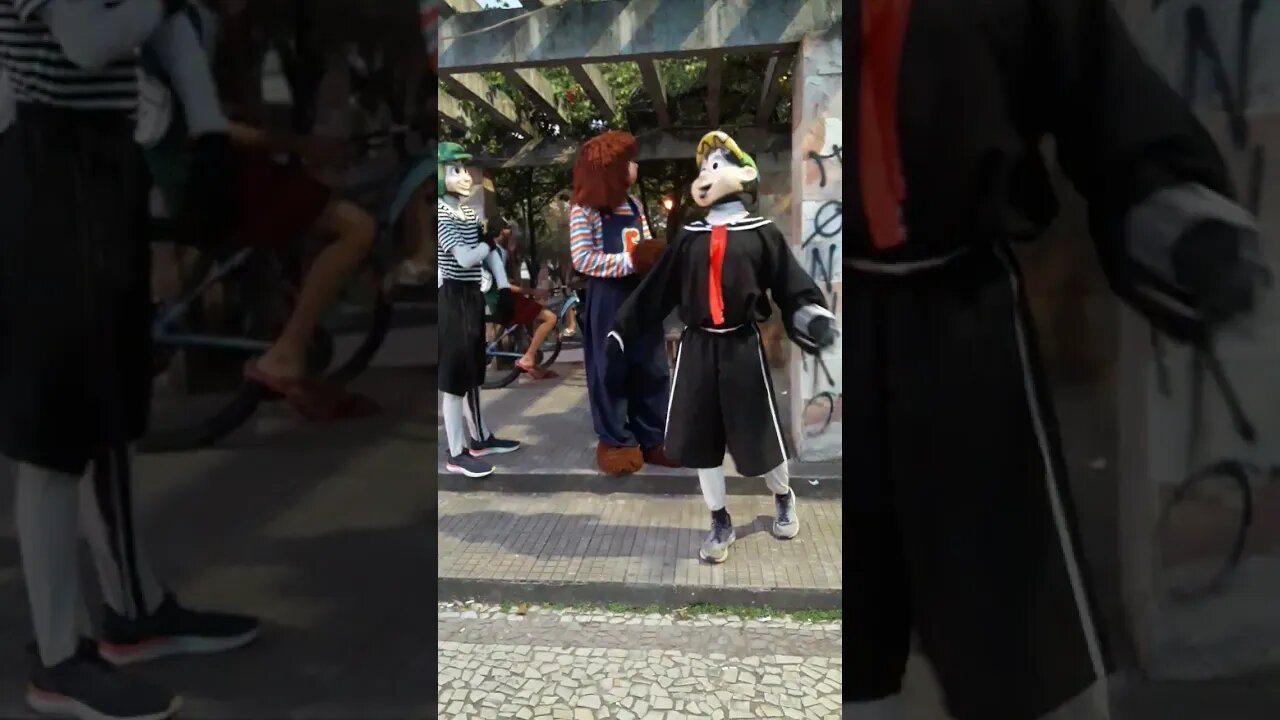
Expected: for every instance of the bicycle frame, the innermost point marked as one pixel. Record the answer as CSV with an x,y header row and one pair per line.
x,y
162,328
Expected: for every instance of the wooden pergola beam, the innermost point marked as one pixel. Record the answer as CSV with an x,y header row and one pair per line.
x,y
656,90
450,7
771,90
450,110
594,85
474,88
675,144
538,90
715,81
627,30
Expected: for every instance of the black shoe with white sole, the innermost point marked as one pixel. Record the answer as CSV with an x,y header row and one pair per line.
x,y
493,446
468,465
87,687
786,524
172,630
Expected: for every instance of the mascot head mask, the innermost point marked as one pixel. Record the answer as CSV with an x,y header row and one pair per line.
x,y
725,172
604,170
452,176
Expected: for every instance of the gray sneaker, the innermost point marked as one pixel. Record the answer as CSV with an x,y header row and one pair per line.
x,y
715,549
786,524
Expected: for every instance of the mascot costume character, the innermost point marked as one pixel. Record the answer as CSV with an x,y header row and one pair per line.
x,y
719,273
963,530
610,243
460,256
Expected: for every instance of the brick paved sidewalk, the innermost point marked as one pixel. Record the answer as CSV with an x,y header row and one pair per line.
x,y
578,547
553,421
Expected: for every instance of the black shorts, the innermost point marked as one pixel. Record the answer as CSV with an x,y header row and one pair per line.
x,y
461,337
722,398
958,518
75,286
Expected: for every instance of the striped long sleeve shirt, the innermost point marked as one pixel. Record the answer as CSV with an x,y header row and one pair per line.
x,y
586,243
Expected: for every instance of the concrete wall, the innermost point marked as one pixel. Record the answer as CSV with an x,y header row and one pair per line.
x,y
816,396
1192,41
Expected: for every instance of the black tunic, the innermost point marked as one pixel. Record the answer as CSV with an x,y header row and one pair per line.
x,y
963,531
757,263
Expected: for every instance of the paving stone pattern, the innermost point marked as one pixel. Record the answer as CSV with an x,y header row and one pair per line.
x,y
575,665
579,537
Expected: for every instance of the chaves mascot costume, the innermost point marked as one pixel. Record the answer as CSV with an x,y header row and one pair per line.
x,y
610,243
717,272
461,253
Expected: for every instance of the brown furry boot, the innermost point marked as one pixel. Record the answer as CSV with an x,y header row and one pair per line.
x,y
658,456
618,460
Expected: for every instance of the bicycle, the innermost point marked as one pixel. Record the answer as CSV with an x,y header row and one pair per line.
x,y
518,337
256,289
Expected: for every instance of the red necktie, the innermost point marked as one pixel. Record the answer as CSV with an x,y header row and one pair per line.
x,y
715,299
884,26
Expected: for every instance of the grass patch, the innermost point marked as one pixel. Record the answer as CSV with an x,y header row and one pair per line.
x,y
744,612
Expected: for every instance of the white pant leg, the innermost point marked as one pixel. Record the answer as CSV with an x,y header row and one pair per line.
x,y
711,480
109,523
778,479
451,408
48,541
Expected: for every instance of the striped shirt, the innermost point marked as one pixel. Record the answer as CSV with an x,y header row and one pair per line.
x,y
455,231
586,242
42,74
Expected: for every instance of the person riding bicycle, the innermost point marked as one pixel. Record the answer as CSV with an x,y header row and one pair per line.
x,y
283,204
524,309
75,351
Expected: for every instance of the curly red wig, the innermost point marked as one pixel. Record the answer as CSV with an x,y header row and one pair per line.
x,y
600,172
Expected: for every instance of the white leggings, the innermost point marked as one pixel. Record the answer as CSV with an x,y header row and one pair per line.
x,y
712,481
52,510
455,412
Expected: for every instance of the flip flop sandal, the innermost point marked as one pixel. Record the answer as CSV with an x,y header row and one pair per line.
x,y
315,401
536,372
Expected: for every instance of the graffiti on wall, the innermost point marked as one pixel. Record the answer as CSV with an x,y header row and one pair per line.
x,y
820,251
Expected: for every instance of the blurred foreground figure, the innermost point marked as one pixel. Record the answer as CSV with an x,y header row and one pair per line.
x,y
962,521
75,358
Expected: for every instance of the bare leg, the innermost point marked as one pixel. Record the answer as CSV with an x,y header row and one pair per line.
x,y
329,273
417,227
546,323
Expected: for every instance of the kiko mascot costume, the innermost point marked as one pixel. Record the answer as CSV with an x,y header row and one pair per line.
x,y
963,530
610,243
460,255
719,273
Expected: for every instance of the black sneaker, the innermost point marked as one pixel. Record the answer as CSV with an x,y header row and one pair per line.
x,y
786,524
715,549
493,446
172,630
87,687
468,465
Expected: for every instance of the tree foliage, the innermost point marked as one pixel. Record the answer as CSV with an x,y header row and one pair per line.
x,y
527,196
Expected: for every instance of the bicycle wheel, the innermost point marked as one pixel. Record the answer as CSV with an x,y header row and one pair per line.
x,y
497,376
214,399
1203,530
550,350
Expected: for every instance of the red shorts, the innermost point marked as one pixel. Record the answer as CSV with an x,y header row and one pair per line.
x,y
279,203
524,310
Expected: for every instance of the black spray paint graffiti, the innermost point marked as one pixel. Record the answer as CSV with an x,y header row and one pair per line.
x,y
821,161
828,222
821,402
1200,46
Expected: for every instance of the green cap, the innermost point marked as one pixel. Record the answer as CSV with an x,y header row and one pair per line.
x,y
448,152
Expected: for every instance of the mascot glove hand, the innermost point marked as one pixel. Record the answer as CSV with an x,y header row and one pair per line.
x,y
215,184
822,331
646,254
1209,263
506,306
615,364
